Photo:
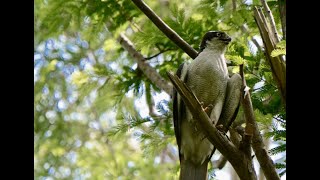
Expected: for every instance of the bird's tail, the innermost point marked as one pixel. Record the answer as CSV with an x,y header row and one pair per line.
x,y
190,171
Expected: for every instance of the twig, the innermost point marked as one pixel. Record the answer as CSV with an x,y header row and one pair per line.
x,y
172,35
162,51
279,119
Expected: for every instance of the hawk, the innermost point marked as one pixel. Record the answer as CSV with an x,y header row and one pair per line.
x,y
208,78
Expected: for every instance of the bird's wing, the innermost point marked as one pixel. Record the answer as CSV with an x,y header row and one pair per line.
x,y
232,102
179,110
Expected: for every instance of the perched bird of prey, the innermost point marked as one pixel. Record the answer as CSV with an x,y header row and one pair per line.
x,y
207,76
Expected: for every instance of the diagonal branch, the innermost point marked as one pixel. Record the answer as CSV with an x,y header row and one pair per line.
x,y
172,35
265,161
241,162
149,71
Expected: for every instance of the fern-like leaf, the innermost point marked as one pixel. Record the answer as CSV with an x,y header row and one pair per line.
x,y
278,149
280,165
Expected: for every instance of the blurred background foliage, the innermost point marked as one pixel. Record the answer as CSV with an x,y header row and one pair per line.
x,y
97,116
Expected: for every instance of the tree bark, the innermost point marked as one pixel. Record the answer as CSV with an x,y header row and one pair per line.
x,y
273,29
261,175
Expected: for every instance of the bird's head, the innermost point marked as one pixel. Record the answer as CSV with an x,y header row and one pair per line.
x,y
215,40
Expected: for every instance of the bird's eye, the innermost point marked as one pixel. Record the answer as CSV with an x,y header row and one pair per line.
x,y
218,34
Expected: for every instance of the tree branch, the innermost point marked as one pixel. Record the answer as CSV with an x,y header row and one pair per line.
x,y
274,31
238,159
149,71
279,119
161,51
172,35
265,161
277,64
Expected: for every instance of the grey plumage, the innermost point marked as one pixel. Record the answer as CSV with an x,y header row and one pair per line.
x,y
207,76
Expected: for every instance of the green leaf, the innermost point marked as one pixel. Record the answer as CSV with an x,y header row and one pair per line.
x,y
278,149
278,52
79,78
281,44
236,59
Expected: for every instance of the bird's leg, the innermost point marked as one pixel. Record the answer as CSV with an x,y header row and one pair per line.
x,y
231,103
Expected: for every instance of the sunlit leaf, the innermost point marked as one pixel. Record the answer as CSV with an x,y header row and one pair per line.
x,y
79,78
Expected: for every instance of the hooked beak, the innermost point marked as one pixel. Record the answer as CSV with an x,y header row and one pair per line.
x,y
226,39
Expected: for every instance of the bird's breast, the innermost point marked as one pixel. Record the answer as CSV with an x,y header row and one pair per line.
x,y
208,78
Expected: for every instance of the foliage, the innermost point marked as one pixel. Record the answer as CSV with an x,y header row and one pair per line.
x,y
280,50
97,116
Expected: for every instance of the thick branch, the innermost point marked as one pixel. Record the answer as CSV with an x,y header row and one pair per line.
x,y
240,162
149,71
265,161
172,35
277,64
271,20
